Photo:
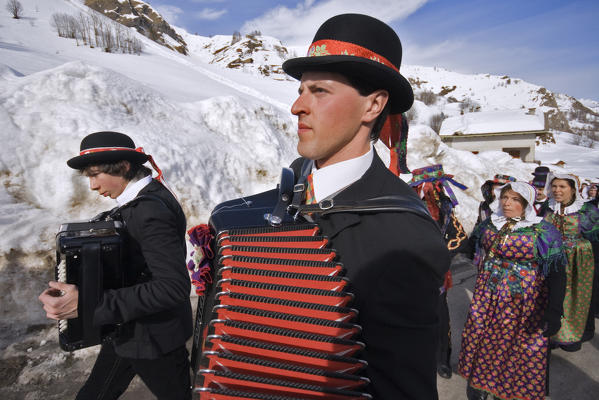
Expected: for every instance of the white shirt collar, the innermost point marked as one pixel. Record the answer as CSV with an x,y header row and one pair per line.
x,y
331,179
132,190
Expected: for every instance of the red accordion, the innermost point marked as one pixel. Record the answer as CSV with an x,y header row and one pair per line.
x,y
276,323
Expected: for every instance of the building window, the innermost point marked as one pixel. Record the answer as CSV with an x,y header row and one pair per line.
x,y
515,153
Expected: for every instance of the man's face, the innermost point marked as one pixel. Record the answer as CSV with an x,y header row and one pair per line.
x,y
330,113
105,184
540,194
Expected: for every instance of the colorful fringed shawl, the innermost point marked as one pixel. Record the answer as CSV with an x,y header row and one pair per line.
x,y
432,185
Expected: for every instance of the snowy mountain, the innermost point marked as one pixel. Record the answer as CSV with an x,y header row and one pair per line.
x,y
251,53
141,16
217,122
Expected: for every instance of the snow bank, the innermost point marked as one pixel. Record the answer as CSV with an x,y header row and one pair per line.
x,y
210,150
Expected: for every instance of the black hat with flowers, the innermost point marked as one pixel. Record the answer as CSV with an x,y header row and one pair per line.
x,y
107,147
361,46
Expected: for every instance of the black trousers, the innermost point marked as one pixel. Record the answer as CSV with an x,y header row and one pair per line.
x,y
444,349
167,377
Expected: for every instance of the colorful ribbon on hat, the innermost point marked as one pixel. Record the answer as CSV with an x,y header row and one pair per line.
x,y
159,177
330,47
394,135
101,149
435,173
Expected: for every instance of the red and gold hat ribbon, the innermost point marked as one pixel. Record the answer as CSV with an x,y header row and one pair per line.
x,y
160,176
330,47
395,136
102,149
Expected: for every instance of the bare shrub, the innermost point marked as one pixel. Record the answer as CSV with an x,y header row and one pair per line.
x,y
94,32
427,97
56,21
436,121
84,28
236,37
587,139
15,8
411,114
469,105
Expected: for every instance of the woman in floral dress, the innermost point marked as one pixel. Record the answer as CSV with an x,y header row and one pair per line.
x,y
578,223
517,299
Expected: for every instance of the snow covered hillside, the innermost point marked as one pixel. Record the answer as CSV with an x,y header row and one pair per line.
x,y
217,122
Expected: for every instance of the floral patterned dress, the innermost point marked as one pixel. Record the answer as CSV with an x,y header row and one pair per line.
x,y
576,228
504,352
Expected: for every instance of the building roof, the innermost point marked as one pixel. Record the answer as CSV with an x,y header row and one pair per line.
x,y
492,122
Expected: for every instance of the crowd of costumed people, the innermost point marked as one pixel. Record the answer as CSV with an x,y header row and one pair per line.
x,y
535,247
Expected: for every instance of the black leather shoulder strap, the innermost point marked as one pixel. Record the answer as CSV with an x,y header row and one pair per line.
x,y
374,205
115,213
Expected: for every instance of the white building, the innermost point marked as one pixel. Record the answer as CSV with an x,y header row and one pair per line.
x,y
511,131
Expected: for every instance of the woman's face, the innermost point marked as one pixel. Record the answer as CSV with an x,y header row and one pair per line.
x,y
593,192
562,191
512,204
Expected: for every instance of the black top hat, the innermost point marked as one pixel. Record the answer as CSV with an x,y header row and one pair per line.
x,y
107,147
360,46
541,171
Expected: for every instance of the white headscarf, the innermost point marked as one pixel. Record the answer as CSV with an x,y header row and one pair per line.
x,y
528,192
555,205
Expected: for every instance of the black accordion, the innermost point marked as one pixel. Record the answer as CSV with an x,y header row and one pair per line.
x,y
89,255
276,323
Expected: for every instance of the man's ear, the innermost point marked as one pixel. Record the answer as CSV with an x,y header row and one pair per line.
x,y
375,105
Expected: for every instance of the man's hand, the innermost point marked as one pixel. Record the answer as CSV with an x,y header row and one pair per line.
x,y
60,300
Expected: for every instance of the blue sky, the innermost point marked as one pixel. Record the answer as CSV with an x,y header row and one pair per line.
x,y
546,42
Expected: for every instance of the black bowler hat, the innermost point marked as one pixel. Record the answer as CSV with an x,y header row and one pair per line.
x,y
360,46
107,147
541,171
540,176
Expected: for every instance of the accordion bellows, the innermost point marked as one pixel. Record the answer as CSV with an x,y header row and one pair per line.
x,y
277,324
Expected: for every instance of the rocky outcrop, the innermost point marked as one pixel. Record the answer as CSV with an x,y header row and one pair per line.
x,y
142,17
251,53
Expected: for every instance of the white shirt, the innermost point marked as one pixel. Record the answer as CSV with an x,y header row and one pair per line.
x,y
333,178
132,190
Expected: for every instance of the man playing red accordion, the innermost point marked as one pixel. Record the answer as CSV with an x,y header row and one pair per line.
x,y
350,87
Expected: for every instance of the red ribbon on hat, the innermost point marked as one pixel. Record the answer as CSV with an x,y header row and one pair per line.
x,y
101,149
329,47
159,177
394,135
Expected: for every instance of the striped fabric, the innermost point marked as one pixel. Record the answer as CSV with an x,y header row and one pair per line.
x,y
310,197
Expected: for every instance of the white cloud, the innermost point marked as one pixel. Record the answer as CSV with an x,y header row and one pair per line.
x,y
296,26
169,13
210,14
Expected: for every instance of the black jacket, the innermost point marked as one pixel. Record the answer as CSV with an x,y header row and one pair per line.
x,y
154,313
395,263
